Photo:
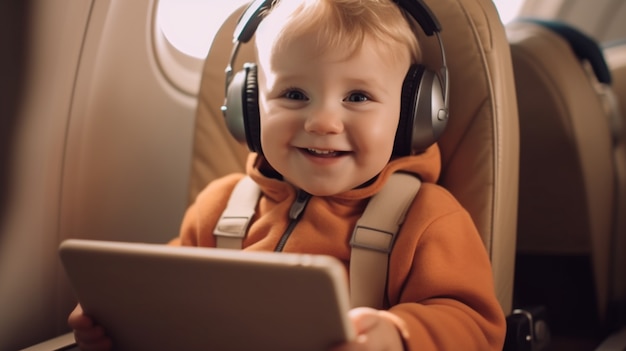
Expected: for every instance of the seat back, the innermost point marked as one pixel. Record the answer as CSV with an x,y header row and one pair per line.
x,y
615,55
479,147
567,175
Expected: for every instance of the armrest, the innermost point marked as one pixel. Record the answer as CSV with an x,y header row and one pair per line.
x,y
64,342
617,341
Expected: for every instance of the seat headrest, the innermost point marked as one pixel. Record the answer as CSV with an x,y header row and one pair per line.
x,y
585,47
480,147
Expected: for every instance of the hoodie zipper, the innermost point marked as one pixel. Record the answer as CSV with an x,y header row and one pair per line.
x,y
295,212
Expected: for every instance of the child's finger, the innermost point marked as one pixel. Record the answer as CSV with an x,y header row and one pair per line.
x,y
363,319
78,320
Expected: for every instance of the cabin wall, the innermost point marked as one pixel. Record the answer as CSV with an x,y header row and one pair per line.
x,y
102,151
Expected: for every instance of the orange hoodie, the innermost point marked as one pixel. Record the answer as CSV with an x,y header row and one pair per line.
x,y
440,280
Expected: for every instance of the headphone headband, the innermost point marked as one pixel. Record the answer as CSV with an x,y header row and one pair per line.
x,y
251,18
422,15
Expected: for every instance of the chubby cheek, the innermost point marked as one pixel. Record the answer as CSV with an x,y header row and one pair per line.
x,y
277,131
270,130
374,141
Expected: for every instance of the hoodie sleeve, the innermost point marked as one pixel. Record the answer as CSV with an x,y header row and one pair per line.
x,y
440,281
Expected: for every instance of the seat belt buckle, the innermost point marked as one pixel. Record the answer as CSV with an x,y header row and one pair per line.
x,y
527,330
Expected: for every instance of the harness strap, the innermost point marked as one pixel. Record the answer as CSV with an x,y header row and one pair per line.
x,y
373,238
233,225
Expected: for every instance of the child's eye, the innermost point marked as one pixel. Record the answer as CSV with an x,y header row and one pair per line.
x,y
357,97
294,94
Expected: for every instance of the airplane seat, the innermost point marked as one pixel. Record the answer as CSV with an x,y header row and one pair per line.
x,y
479,147
568,184
215,152
615,55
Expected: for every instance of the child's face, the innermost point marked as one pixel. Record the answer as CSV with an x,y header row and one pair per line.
x,y
328,122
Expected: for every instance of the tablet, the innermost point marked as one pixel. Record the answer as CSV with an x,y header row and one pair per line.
x,y
158,297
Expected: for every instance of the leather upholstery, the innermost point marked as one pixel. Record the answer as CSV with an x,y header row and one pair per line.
x,y
479,147
567,188
615,56
215,152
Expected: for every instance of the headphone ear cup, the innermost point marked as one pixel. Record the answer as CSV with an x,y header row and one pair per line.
x,y
241,108
421,119
404,134
252,116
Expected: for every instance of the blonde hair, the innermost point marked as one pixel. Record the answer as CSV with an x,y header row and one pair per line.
x,y
341,25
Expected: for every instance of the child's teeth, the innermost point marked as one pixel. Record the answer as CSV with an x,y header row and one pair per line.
x,y
321,152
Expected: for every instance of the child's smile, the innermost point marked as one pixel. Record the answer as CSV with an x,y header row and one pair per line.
x,y
324,157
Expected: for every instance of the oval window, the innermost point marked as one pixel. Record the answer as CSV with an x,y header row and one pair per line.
x,y
183,33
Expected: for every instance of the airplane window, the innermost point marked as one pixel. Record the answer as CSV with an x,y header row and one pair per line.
x,y
190,25
184,31
508,9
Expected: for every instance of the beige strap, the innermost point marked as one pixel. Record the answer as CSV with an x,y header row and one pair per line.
x,y
232,226
374,236
372,239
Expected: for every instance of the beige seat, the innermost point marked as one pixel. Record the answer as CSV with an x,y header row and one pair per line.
x,y
615,55
568,184
479,146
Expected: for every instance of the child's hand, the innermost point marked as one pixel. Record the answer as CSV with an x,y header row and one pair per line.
x,y
89,336
375,332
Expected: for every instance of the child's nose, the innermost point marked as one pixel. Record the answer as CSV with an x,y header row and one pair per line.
x,y
324,120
